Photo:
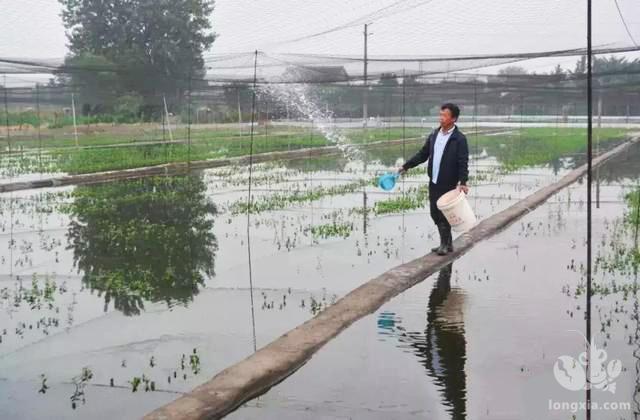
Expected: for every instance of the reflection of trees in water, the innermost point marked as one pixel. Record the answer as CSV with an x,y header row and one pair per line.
x,y
441,349
621,167
149,239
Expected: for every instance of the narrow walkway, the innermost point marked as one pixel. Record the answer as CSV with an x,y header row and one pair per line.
x,y
276,361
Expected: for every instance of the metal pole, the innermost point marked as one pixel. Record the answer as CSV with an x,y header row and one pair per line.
x,y
189,125
6,112
475,134
164,132
239,112
404,86
598,149
365,93
166,113
39,125
253,109
266,126
404,154
288,127
589,181
390,112
73,110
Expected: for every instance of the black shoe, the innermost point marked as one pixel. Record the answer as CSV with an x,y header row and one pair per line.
x,y
446,240
442,250
443,237
449,240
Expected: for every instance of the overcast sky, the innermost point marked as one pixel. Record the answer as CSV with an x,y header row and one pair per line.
x,y
33,28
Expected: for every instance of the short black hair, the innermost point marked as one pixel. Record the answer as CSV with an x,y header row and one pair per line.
x,y
453,108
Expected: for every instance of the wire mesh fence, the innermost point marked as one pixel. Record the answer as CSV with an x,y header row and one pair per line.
x,y
79,123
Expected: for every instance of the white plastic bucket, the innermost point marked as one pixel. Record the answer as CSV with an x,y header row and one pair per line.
x,y
457,210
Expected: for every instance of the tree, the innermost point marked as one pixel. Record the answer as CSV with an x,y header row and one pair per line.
x,y
154,47
557,70
581,65
94,78
388,79
558,74
616,70
512,71
382,94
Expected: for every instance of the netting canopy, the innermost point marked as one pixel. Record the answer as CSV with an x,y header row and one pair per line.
x,y
362,58
327,41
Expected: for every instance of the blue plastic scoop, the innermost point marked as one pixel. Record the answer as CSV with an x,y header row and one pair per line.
x,y
388,181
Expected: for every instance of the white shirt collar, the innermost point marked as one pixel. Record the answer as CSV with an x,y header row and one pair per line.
x,y
448,132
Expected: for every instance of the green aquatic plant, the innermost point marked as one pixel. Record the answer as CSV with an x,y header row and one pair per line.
x,y
519,148
622,254
194,362
280,201
413,199
332,230
135,383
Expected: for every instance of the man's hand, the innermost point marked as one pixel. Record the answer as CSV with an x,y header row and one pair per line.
x,y
463,188
401,171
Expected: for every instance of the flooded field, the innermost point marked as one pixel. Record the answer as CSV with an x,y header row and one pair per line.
x,y
480,338
116,298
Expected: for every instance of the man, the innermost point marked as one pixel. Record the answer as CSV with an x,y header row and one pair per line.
x,y
448,168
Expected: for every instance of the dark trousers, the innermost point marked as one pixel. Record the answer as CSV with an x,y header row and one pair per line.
x,y
435,192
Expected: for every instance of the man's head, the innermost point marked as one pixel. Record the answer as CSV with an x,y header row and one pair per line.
x,y
449,114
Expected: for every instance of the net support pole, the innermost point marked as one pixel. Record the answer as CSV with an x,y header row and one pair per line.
x,y
166,117
73,112
39,126
589,181
239,114
404,155
189,124
598,149
365,91
6,112
249,200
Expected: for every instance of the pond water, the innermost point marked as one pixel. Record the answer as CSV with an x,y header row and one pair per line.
x,y
145,284
480,338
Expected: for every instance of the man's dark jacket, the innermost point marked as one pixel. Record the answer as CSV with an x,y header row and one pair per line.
x,y
454,166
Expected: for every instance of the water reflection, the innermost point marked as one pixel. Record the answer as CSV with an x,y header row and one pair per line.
x,y
623,167
441,349
143,240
